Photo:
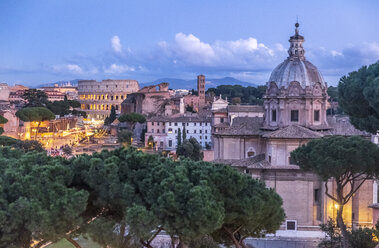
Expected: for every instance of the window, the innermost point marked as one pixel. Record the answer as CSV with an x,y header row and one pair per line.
x,y
176,123
111,98
291,225
294,115
170,143
161,144
183,124
169,130
116,97
169,123
163,131
273,115
247,171
316,195
206,131
194,131
152,130
176,131
269,159
206,137
317,115
152,123
157,130
194,124
250,154
222,120
187,131
187,124
201,131
206,124
201,137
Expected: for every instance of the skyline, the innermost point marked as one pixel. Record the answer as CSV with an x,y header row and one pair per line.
x,y
49,41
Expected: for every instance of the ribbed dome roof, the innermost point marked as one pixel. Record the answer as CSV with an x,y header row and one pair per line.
x,y
296,67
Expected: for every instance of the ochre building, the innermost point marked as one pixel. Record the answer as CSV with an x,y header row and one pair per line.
x,y
97,98
294,113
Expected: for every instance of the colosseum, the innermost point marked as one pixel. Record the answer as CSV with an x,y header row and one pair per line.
x,y
97,98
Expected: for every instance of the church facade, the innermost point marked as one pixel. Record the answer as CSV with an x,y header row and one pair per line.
x,y
294,113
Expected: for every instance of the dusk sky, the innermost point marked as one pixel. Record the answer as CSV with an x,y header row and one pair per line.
x,y
44,41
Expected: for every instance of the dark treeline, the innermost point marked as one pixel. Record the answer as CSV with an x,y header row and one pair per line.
x,y
124,198
238,94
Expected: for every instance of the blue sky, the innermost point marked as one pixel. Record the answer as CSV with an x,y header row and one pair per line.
x,y
43,41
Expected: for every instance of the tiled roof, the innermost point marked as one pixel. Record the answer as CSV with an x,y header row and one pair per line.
x,y
245,108
293,132
340,125
222,125
244,126
256,162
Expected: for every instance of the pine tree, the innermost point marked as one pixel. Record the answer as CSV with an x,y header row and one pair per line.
x,y
112,116
184,133
179,137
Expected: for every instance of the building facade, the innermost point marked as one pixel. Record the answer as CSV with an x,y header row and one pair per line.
x,y
165,130
97,98
294,113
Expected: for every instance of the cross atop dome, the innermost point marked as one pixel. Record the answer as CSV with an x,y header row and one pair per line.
x,y
296,49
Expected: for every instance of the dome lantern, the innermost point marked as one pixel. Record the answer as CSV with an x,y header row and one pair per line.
x,y
296,67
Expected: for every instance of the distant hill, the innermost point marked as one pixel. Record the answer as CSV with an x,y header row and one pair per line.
x,y
176,83
73,82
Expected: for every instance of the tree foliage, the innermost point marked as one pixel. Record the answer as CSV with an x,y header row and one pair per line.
x,y
3,120
64,107
125,136
35,114
132,118
36,202
35,98
358,96
360,237
247,95
190,149
125,198
349,161
25,145
146,194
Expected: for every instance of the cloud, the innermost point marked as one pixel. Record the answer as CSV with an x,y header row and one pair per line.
x,y
69,68
241,54
117,69
116,44
74,69
187,55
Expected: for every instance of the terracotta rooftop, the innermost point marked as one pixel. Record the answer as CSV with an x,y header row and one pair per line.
x,y
340,125
244,126
245,108
293,132
256,162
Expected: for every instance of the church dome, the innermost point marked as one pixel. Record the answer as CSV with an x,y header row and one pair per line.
x,y
296,67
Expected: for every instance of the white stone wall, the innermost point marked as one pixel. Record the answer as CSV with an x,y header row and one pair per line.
x,y
168,132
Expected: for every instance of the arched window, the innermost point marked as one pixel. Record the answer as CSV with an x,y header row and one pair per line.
x,y
250,152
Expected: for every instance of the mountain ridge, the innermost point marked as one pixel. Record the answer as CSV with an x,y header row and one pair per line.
x,y
174,83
